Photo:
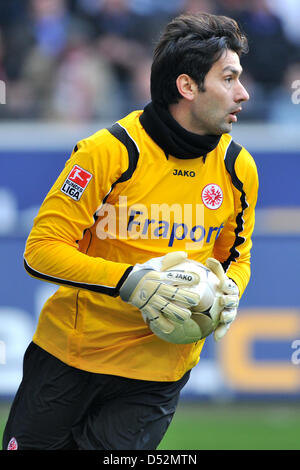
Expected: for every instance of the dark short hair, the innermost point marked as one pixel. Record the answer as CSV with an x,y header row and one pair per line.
x,y
191,44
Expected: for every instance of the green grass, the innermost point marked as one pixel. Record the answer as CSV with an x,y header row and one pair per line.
x,y
211,426
234,427
4,409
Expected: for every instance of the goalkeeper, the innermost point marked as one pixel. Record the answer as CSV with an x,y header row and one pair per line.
x,y
104,369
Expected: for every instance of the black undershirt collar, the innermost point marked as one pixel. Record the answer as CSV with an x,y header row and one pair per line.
x,y
173,138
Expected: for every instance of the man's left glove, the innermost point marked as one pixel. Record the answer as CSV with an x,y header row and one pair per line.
x,y
150,287
224,308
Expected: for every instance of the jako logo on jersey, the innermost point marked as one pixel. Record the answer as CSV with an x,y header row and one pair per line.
x,y
76,182
212,196
13,444
174,231
192,174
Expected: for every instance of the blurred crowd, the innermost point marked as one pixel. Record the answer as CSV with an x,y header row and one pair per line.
x,y
80,60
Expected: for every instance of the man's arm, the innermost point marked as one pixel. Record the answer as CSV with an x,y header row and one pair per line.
x,y
233,247
51,252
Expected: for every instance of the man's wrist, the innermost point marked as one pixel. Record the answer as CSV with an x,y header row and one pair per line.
x,y
123,278
131,281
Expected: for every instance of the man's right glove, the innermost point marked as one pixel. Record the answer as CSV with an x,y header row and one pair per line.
x,y
150,288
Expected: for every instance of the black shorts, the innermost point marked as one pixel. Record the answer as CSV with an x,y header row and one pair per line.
x,y
60,407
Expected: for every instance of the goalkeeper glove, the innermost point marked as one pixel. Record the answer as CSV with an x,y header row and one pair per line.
x,y
150,288
224,309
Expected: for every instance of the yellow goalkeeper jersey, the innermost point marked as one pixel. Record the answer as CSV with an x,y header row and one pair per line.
x,y
120,200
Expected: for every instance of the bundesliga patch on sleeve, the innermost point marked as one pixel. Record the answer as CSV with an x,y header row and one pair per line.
x,y
76,182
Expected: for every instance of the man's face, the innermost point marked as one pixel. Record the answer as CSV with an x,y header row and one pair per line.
x,y
214,110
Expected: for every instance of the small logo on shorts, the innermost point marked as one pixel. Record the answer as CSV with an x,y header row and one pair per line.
x,y
13,444
76,182
212,196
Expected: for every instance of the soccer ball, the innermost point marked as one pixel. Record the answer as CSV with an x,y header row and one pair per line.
x,y
200,325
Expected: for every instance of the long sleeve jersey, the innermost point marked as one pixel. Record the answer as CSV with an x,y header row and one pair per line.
x,y
120,201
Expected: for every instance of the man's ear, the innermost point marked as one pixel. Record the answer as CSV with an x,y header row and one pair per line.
x,y
186,86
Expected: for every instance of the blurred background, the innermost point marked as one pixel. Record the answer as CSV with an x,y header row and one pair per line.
x,y
69,68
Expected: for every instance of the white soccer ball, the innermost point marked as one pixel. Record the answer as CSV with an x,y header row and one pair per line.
x,y
200,325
